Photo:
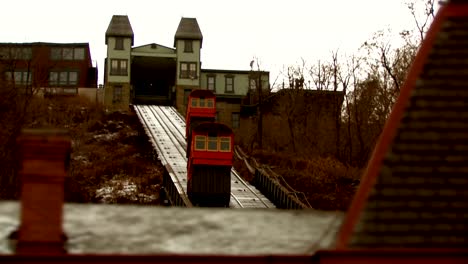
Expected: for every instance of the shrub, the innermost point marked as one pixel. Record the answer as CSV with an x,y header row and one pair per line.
x,y
327,183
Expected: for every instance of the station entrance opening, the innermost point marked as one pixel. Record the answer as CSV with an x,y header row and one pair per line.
x,y
153,79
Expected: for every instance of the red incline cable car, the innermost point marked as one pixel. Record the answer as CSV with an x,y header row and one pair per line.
x,y
201,107
209,165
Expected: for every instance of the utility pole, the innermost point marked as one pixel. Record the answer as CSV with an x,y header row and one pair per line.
x,y
259,109
256,77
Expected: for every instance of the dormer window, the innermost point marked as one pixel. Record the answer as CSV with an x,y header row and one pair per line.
x,y
188,46
119,43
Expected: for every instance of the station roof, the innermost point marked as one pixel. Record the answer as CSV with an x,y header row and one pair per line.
x,y
119,27
188,29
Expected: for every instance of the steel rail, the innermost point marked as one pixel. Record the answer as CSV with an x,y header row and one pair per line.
x,y
173,139
180,131
248,187
173,124
234,173
148,121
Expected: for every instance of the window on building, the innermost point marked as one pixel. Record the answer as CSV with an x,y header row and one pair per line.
x,y
79,54
188,46
252,84
26,53
63,78
73,78
235,119
19,77
4,53
211,83
229,84
56,53
23,78
183,70
117,94
53,78
17,53
119,67
188,70
67,53
193,71
119,43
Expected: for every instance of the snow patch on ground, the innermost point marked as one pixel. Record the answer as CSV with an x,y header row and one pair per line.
x,y
106,137
83,159
116,190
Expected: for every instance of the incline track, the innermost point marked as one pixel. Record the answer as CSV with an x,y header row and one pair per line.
x,y
165,128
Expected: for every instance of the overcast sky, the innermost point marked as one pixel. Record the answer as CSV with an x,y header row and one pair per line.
x,y
279,33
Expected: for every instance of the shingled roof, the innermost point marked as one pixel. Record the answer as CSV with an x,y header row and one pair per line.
x,y
415,191
188,29
119,27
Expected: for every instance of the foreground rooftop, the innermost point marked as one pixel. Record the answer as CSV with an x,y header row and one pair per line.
x,y
130,229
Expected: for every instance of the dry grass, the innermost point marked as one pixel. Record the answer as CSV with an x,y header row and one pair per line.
x,y
109,152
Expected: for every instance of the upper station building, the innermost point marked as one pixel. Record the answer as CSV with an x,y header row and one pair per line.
x,y
156,74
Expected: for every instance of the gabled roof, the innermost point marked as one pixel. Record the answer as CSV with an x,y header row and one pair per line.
x,y
153,48
119,27
415,190
188,29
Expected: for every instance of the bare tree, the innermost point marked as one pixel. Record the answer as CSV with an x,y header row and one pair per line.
x,y
259,83
17,88
321,75
423,14
295,75
351,77
337,77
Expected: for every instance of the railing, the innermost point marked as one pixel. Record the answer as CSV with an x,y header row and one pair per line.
x,y
268,183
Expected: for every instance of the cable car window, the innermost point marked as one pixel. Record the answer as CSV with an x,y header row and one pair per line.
x,y
202,102
194,102
212,143
210,103
200,142
225,144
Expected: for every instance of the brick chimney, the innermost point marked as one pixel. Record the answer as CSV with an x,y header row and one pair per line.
x,y
44,155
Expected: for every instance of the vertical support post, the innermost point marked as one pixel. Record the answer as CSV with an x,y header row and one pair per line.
x,y
44,156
